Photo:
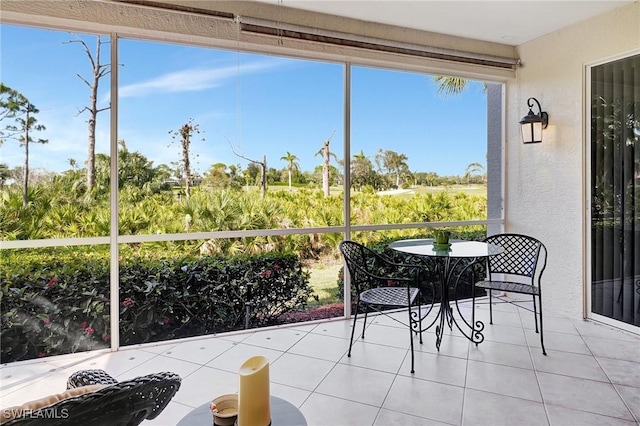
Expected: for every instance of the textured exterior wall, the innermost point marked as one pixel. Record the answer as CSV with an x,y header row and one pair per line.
x,y
494,155
544,193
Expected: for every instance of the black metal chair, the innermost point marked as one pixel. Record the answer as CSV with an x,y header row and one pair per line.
x,y
118,403
382,285
518,269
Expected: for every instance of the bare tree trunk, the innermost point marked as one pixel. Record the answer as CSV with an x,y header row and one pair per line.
x,y
325,169
263,177
185,133
98,71
263,168
93,115
25,181
187,164
91,154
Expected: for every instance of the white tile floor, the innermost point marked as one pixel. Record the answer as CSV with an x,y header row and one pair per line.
x,y
591,375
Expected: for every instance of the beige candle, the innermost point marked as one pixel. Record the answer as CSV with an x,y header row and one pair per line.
x,y
254,408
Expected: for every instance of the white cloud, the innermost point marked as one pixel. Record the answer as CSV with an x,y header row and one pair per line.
x,y
194,79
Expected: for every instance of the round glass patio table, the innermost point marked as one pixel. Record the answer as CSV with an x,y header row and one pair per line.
x,y
446,260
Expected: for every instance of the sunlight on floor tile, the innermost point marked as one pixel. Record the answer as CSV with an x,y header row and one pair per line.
x,y
591,375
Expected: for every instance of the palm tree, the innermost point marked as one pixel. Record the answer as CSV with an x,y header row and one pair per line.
x,y
292,164
451,85
326,155
471,169
455,86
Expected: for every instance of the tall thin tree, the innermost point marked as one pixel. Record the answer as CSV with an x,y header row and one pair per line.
x,y
15,106
98,70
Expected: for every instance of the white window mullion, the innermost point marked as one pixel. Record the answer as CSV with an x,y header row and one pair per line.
x,y
346,184
114,267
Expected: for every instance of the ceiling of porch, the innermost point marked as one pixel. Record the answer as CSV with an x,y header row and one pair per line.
x,y
507,22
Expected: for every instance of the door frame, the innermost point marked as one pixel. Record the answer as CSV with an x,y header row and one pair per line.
x,y
586,188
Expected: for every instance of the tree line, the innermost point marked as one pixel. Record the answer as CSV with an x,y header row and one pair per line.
x,y
386,170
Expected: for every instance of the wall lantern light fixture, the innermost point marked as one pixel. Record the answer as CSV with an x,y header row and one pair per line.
x,y
532,124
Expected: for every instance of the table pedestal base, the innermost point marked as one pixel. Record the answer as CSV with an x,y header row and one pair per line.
x,y
445,314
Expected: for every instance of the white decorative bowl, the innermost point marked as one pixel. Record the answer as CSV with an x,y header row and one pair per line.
x,y
225,409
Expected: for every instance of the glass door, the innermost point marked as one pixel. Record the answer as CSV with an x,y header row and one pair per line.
x,y
615,191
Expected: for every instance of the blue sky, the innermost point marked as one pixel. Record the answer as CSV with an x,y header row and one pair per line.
x,y
263,105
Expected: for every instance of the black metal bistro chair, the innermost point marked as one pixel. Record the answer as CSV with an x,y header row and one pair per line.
x,y
95,398
382,285
518,269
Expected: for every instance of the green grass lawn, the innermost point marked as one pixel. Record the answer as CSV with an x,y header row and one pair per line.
x,y
324,280
467,189
472,189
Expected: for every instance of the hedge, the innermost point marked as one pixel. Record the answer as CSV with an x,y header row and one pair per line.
x,y
57,301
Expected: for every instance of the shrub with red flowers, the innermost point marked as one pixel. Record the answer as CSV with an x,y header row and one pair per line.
x,y
202,295
266,273
160,299
48,299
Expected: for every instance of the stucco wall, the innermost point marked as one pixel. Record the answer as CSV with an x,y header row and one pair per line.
x,y
544,196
